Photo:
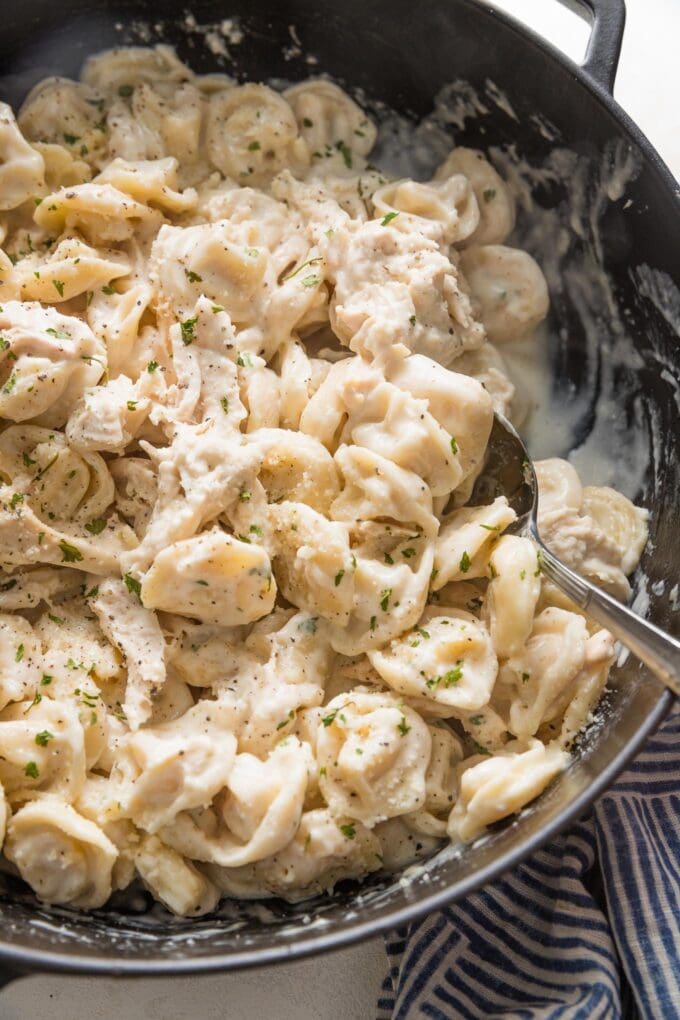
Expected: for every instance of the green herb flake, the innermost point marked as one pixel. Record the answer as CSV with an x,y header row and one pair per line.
x,y
46,680
31,770
489,194
59,334
59,620
96,526
454,446
464,563
16,499
133,586
412,319
408,553
245,495
403,726
59,287
452,677
43,738
348,830
329,719
19,653
151,367
372,623
387,218
307,122
476,720
108,290
385,599
539,563
71,139
491,527
132,405
255,529
388,559
310,281
244,360
69,552
338,577
193,277
224,402
423,633
346,152
187,328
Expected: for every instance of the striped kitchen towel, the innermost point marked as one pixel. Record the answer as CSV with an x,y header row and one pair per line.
x,y
586,929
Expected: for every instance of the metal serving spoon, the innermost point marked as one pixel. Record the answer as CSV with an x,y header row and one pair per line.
x,y
509,472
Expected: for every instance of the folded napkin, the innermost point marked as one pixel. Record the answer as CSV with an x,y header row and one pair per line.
x,y
586,929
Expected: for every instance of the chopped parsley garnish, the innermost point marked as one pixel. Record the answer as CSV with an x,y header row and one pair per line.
x,y
133,586
43,738
476,720
309,262
19,654
71,139
464,563
256,530
108,290
387,218
488,194
526,677
187,327
310,281
245,495
385,599
454,446
59,287
193,277
45,680
423,633
254,147
493,573
388,559
491,527
372,622
346,153
452,676
96,526
59,334
348,830
412,319
225,404
244,360
131,405
539,563
31,770
329,719
338,577
69,552
151,367
15,500
59,620
403,726
408,553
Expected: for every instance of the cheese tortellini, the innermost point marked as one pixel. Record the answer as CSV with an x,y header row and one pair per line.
x,y
255,629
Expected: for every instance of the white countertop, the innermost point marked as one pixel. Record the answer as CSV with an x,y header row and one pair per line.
x,y
345,985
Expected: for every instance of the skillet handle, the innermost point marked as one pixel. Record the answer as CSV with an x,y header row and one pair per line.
x,y
606,37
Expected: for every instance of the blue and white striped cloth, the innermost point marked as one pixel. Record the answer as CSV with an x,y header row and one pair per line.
x,y
586,929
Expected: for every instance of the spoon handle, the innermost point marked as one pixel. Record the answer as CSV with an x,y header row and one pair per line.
x,y
659,651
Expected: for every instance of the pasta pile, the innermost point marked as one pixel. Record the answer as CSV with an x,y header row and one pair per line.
x,y
252,636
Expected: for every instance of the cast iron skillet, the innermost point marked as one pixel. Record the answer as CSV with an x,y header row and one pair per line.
x,y
402,53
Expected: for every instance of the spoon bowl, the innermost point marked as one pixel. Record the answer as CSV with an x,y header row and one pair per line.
x,y
509,472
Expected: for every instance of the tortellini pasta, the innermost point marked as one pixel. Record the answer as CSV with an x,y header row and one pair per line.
x,y
257,633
